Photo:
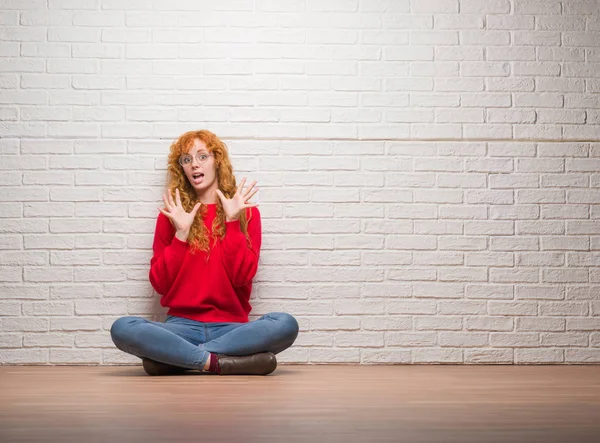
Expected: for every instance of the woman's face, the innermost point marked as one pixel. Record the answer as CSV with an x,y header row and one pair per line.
x,y
200,169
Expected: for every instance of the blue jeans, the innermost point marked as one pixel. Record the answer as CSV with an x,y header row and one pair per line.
x,y
188,343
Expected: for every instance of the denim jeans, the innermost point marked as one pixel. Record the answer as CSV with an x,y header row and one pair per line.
x,y
188,343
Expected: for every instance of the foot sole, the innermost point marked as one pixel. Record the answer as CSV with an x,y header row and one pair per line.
x,y
155,368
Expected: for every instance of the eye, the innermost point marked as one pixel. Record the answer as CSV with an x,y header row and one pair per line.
x,y
203,157
187,159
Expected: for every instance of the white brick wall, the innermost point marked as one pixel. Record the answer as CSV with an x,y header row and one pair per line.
x,y
430,170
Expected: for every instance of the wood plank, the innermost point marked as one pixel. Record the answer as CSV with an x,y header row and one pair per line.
x,y
328,403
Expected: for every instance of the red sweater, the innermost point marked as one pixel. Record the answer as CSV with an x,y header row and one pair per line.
x,y
214,291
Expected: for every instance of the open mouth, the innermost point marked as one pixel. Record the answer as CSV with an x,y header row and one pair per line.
x,y
197,178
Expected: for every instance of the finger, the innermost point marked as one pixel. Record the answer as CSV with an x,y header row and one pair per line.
x,y
251,195
195,210
241,186
171,198
166,202
165,213
177,197
249,188
220,195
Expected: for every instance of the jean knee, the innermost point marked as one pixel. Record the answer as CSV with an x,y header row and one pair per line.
x,y
289,326
120,331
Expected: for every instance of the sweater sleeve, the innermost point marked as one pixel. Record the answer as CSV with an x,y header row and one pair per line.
x,y
239,259
168,255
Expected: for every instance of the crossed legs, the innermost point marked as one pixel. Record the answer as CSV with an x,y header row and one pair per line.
x,y
187,344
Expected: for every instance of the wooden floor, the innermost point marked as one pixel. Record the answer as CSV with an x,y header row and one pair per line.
x,y
302,404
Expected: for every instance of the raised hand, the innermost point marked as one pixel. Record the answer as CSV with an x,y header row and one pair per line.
x,y
181,219
235,205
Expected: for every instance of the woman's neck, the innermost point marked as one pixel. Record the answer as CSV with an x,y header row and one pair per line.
x,y
207,198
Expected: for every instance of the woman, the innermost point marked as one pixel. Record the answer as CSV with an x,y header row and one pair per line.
x,y
206,250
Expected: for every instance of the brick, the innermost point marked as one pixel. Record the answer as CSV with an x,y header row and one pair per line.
x,y
500,181
548,324
442,323
569,211
47,308
359,339
564,308
484,7
507,275
18,258
514,339
431,6
412,274
463,339
77,323
93,340
378,290
315,339
514,54
463,243
557,275
570,339
118,357
539,228
514,212
583,324
293,355
551,7
334,355
510,21
540,100
11,340
335,323
580,293
75,356
484,323
582,355
485,37
539,292
24,324
24,356
513,308
411,307
11,242
411,339
385,356
438,227
489,292
437,355
461,307
489,356
458,53
48,340
540,356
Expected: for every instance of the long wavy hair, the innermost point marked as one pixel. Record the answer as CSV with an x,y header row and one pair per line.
x,y
199,237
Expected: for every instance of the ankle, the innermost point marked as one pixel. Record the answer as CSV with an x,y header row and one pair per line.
x,y
213,364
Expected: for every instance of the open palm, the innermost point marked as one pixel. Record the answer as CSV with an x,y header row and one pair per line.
x,y
177,214
235,205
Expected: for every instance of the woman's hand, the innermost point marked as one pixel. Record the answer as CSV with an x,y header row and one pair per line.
x,y
235,205
175,212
